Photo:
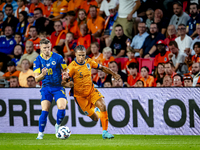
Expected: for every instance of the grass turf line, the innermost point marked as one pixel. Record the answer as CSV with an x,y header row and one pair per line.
x,y
9,141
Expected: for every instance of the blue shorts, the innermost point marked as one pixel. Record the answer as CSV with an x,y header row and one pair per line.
x,y
47,93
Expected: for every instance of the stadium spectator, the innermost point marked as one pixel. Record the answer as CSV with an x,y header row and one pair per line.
x,y
188,81
30,55
134,75
178,58
107,56
109,24
131,58
194,20
74,5
23,23
18,52
184,41
117,83
21,7
14,82
36,4
38,13
171,31
95,23
31,82
162,56
58,50
197,39
150,17
159,72
177,80
139,39
159,82
81,19
43,35
70,44
118,44
107,84
195,72
127,11
34,38
4,59
196,57
146,78
14,5
59,35
11,20
30,23
101,78
179,16
105,6
85,39
1,21
11,71
139,83
48,7
97,56
167,81
26,72
86,5
59,9
7,41
114,67
18,38
169,69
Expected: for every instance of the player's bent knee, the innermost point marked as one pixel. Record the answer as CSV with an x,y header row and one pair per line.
x,y
94,117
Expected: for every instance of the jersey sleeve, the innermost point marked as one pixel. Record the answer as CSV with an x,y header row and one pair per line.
x,y
36,66
70,70
63,65
94,64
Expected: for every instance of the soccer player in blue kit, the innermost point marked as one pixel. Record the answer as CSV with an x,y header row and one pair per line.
x,y
48,68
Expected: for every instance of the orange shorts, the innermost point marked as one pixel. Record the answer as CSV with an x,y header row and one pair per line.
x,y
87,104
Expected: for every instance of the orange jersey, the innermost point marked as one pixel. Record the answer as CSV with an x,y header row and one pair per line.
x,y
86,5
81,75
60,9
98,24
161,59
74,29
149,82
48,11
7,74
74,4
128,62
106,62
40,5
196,58
84,40
98,59
131,81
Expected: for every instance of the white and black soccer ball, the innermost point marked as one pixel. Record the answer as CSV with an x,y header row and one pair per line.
x,y
63,133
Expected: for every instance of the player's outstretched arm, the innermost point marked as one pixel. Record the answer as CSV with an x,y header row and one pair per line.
x,y
109,71
66,81
40,76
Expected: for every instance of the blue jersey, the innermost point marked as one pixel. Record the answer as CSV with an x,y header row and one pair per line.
x,y
55,64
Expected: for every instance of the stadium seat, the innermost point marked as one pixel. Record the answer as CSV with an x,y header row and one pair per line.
x,y
121,62
149,62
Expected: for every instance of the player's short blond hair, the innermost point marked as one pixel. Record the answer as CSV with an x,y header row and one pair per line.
x,y
107,49
44,41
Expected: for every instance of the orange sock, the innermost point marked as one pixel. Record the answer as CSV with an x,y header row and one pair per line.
x,y
104,120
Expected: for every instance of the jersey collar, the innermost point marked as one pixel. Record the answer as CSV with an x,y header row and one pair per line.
x,y
50,55
79,63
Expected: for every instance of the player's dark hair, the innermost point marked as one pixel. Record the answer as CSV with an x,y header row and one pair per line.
x,y
179,76
196,43
9,5
44,41
133,66
39,10
145,67
95,43
30,77
79,48
173,43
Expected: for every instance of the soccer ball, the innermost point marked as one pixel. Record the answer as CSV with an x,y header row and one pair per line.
x,y
63,133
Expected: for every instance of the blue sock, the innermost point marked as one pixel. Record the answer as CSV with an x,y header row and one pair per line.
x,y
43,120
60,115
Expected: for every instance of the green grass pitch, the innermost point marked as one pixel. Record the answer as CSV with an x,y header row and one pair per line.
x,y
9,141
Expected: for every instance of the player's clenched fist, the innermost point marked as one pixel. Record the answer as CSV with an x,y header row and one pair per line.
x,y
44,71
65,75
